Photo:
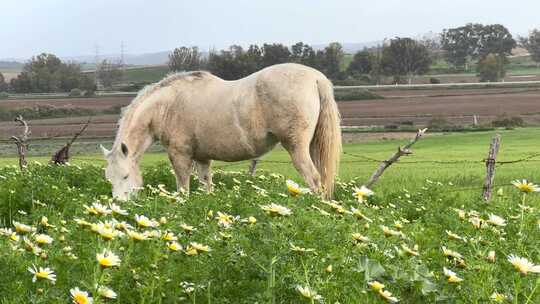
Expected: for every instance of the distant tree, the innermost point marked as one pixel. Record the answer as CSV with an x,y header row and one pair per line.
x,y
495,39
492,68
228,64
3,84
461,44
252,60
405,57
109,73
330,60
47,73
475,42
69,76
87,83
362,63
532,44
274,54
185,59
304,54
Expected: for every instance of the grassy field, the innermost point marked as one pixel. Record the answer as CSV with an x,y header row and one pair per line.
x,y
324,252
146,74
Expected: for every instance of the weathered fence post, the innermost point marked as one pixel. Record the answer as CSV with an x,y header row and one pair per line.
x,y
490,166
400,152
21,142
61,157
253,167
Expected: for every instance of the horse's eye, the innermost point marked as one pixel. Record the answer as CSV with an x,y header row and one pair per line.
x,y
126,177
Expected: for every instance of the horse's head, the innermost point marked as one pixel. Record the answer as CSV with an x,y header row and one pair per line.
x,y
122,171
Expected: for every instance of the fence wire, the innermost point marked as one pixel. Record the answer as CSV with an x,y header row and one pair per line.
x,y
363,159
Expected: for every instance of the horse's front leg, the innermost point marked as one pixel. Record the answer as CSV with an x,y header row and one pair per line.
x,y
205,174
182,165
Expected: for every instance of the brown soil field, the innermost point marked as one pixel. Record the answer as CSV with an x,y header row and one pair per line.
x,y
86,103
451,92
458,109
416,106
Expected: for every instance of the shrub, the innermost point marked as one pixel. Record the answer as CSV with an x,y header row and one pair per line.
x,y
4,95
505,121
491,68
439,122
355,94
75,92
434,80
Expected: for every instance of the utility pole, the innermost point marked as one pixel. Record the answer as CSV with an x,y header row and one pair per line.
x,y
96,78
122,59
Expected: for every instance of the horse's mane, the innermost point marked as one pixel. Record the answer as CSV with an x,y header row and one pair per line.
x,y
167,81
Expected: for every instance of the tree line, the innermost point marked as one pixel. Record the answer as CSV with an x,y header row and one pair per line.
x,y
46,73
486,47
483,47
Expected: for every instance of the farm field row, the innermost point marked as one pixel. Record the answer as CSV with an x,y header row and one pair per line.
x,y
401,106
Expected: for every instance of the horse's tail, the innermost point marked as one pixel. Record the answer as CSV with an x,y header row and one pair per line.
x,y
325,148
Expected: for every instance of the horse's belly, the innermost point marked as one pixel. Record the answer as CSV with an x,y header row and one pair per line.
x,y
234,147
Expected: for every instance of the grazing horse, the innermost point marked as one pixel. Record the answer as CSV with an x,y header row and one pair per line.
x,y
199,117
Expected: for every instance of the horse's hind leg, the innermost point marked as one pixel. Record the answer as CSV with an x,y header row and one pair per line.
x,y
182,165
205,174
304,164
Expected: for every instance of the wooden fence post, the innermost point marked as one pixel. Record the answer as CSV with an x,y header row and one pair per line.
x,y
22,142
253,167
490,166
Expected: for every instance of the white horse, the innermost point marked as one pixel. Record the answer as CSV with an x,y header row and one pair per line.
x,y
200,117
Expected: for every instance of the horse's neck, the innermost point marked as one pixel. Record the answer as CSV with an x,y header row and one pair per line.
x,y
135,134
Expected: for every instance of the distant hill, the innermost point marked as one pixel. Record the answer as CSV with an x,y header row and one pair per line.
x,y
157,58
10,66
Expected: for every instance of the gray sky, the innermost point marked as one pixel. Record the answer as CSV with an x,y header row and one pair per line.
x,y
74,27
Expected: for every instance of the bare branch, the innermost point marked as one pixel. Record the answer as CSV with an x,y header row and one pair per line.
x,y
401,151
62,155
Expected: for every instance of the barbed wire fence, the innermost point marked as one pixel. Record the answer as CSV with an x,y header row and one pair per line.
x,y
355,158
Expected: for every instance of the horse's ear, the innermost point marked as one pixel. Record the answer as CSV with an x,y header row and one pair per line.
x,y
124,149
105,151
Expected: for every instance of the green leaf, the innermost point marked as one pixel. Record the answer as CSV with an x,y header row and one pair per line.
x,y
428,287
372,269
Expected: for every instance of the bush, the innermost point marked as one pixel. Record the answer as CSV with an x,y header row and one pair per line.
x,y
355,94
504,121
434,80
439,123
4,95
491,68
75,92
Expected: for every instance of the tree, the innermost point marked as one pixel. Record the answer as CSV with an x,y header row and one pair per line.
x,y
495,39
475,42
46,73
274,54
330,60
185,59
405,57
3,84
532,44
492,68
109,73
304,54
229,64
460,44
362,63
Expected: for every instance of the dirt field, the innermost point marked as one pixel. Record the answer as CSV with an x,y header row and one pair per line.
x,y
402,106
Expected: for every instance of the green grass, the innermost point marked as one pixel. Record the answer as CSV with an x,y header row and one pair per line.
x,y
256,263
146,74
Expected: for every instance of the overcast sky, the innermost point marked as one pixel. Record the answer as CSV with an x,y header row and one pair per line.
x,y
74,27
